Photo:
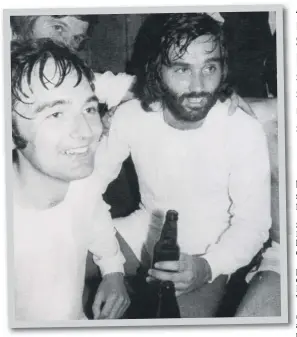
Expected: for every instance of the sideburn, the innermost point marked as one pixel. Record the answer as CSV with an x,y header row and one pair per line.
x,y
19,141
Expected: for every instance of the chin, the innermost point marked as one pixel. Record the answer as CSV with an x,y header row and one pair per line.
x,y
80,175
192,117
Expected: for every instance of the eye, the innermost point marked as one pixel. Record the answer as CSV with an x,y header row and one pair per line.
x,y
56,115
210,69
91,110
58,28
181,70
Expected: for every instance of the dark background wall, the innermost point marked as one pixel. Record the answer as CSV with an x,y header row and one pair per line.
x,y
112,41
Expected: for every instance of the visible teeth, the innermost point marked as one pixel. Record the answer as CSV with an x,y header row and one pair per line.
x,y
78,150
195,100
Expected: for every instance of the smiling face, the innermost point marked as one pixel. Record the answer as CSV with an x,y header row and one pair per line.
x,y
68,29
192,81
64,126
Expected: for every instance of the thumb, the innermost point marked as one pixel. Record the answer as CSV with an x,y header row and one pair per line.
x,y
97,305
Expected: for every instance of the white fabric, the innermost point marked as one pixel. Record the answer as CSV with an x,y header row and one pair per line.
x,y
111,89
50,250
197,173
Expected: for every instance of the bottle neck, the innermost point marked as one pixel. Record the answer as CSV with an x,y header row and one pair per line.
x,y
169,232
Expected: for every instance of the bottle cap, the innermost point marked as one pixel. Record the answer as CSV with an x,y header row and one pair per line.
x,y
172,215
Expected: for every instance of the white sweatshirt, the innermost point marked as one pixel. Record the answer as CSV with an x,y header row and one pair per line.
x,y
217,177
50,250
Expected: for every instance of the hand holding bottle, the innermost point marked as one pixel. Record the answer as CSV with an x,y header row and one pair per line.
x,y
187,274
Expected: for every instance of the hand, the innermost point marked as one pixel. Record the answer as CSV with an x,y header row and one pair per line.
x,y
189,273
237,101
112,299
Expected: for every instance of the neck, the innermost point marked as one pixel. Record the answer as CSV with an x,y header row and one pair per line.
x,y
179,124
36,189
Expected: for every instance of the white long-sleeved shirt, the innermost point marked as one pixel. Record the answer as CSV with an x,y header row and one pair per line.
x,y
50,250
217,177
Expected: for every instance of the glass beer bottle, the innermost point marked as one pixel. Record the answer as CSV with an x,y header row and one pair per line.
x,y
167,249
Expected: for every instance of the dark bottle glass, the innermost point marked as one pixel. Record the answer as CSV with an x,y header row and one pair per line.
x,y
167,303
167,249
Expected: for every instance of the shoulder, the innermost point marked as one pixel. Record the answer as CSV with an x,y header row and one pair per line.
x,y
239,125
244,126
128,112
264,108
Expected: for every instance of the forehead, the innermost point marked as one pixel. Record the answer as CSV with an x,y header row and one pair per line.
x,y
200,50
38,93
75,25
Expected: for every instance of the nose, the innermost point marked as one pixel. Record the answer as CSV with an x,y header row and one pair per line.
x,y
76,41
197,82
81,128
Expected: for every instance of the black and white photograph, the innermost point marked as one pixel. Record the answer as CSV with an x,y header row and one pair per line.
x,y
147,176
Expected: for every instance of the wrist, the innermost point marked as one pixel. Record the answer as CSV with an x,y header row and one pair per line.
x,y
113,275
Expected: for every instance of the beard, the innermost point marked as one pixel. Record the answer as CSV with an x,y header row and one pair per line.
x,y
190,107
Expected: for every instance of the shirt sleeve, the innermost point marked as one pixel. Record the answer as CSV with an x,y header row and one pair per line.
x,y
249,193
113,150
103,242
112,89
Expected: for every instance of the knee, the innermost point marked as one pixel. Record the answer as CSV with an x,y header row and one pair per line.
x,y
262,298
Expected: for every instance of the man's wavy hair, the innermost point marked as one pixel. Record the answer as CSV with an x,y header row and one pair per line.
x,y
29,56
157,37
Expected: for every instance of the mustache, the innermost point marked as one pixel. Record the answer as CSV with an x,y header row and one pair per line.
x,y
202,94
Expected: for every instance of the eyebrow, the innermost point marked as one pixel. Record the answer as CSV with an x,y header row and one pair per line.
x,y
49,105
58,21
92,99
184,64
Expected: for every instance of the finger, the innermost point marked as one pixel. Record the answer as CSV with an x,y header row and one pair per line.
x,y
96,307
150,279
110,302
124,303
232,109
116,308
180,286
246,107
167,265
234,104
164,276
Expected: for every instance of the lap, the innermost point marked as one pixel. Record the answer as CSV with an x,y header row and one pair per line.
x,y
200,303
203,302
263,296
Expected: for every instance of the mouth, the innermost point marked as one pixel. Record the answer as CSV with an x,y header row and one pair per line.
x,y
78,151
196,101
